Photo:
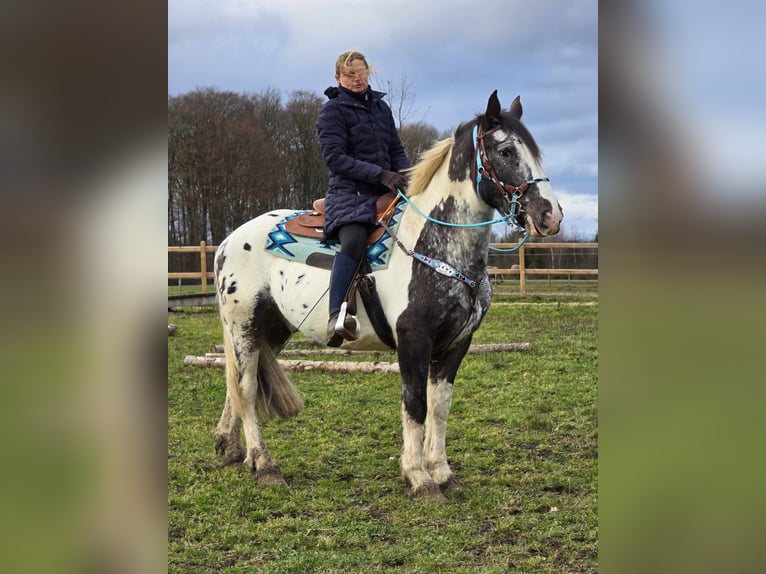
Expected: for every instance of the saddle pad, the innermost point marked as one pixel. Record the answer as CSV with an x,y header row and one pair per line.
x,y
311,223
280,242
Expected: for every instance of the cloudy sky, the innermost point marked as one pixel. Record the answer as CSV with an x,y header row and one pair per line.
x,y
453,54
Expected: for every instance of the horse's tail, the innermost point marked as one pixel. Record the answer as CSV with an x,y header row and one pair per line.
x,y
278,395
273,393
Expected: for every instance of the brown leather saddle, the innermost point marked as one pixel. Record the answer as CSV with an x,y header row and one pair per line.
x,y
311,223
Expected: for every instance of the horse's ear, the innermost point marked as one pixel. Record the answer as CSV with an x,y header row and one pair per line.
x,y
492,115
515,108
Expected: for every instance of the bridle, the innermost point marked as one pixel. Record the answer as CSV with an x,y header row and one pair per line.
x,y
482,169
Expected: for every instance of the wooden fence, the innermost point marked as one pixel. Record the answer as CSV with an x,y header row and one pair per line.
x,y
522,270
203,274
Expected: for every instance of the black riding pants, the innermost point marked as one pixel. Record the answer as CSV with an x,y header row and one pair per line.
x,y
353,239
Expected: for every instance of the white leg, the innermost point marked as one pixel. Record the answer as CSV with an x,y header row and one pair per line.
x,y
227,440
439,402
257,458
413,461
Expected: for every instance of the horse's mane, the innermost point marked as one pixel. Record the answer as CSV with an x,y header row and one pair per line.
x,y
427,164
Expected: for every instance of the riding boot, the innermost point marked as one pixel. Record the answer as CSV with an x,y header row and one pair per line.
x,y
343,271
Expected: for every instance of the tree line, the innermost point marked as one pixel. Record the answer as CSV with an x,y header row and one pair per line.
x,y
232,156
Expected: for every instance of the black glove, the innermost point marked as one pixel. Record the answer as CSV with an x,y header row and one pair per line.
x,y
393,180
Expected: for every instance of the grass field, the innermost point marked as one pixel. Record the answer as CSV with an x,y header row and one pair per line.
x,y
522,438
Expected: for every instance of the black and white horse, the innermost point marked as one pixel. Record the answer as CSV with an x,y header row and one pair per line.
x,y
434,293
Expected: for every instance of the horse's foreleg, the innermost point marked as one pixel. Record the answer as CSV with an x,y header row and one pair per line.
x,y
439,401
414,372
440,387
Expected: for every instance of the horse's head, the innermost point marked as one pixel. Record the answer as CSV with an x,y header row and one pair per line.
x,y
508,171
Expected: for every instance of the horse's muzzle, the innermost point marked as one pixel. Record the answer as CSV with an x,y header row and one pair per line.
x,y
547,224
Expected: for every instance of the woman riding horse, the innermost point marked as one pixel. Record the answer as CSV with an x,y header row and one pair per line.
x,y
361,147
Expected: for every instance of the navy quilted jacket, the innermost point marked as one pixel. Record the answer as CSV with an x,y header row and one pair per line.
x,y
358,140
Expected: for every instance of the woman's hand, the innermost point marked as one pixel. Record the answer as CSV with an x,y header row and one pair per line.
x,y
392,180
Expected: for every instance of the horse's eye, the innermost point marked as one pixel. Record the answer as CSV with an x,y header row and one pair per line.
x,y
505,153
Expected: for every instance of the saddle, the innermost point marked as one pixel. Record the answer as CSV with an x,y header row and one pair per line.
x,y
311,223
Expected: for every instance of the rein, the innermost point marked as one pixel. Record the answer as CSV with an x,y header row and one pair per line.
x,y
505,219
437,265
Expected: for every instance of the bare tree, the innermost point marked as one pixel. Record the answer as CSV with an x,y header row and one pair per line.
x,y
417,138
232,156
219,165
307,174
400,99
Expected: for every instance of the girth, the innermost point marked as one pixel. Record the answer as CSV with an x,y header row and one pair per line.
x,y
311,223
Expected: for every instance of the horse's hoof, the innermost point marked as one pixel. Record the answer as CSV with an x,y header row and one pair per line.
x,y
232,454
232,458
428,493
271,475
452,484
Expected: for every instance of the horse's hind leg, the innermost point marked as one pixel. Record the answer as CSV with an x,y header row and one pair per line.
x,y
258,458
227,441
241,394
442,378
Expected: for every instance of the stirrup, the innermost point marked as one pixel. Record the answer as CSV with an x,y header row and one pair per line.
x,y
347,326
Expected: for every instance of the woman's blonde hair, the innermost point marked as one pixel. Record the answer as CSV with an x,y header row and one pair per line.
x,y
343,63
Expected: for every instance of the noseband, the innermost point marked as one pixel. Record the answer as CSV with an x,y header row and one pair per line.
x,y
484,170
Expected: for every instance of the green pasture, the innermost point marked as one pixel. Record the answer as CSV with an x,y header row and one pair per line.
x,y
522,438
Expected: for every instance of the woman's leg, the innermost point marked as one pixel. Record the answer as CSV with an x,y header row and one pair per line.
x,y
353,242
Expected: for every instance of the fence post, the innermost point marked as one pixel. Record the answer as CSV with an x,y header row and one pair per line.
x,y
203,265
522,274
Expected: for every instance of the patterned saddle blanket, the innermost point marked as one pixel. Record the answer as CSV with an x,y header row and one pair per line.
x,y
298,236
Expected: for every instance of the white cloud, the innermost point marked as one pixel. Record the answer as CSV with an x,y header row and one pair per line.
x,y
580,214
574,156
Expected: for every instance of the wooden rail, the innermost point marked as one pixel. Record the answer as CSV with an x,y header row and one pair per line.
x,y
522,271
203,274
